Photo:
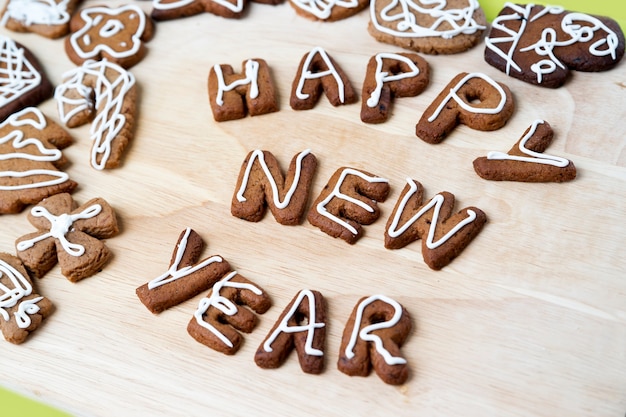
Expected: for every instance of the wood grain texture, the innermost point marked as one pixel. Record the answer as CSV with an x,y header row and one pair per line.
x,y
529,321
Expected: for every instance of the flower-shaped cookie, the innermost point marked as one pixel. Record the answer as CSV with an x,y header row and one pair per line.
x,y
117,34
69,235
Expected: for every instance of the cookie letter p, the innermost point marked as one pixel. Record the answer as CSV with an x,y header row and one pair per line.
x,y
472,99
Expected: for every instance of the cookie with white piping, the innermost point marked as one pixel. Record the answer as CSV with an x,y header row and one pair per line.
x,y
328,11
117,34
175,9
22,310
372,338
50,18
318,72
526,160
186,276
68,234
105,94
23,82
233,95
448,27
261,184
230,307
391,75
473,99
348,201
542,44
301,325
31,160
444,234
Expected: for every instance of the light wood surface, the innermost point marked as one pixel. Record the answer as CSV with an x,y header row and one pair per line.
x,y
529,321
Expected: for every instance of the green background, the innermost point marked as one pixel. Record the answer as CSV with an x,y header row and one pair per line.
x,y
15,405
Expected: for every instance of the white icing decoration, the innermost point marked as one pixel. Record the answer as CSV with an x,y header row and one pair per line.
x,y
435,202
174,272
59,227
223,304
24,118
18,75
111,27
258,154
366,332
37,12
233,7
546,44
336,193
479,110
308,75
383,77
535,157
322,9
460,20
109,95
252,74
310,327
9,297
164,5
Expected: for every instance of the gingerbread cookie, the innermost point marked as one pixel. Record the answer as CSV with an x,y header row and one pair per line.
x,y
319,72
374,333
30,159
116,34
68,234
444,234
186,276
347,202
49,18
218,316
474,100
233,95
22,310
174,9
526,161
106,94
23,82
262,184
433,27
329,11
391,75
301,325
541,44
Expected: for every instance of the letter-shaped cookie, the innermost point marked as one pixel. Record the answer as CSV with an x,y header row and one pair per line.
x,y
49,18
21,310
261,183
218,317
301,325
526,161
444,235
319,72
23,82
540,45
186,276
233,95
30,159
68,234
472,99
107,93
347,202
374,333
115,34
391,75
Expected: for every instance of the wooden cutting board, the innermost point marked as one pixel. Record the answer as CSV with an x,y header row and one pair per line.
x,y
529,321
